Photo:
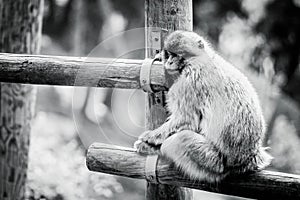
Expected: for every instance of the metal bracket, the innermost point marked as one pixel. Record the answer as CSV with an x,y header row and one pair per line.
x,y
145,75
156,43
150,168
156,37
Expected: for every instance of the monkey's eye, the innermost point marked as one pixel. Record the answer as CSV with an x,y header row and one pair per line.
x,y
166,54
200,44
172,54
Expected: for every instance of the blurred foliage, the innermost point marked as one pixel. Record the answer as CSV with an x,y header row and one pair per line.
x,y
281,29
210,16
260,37
57,164
285,148
133,12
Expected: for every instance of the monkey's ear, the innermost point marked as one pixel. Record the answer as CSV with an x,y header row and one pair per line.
x,y
200,44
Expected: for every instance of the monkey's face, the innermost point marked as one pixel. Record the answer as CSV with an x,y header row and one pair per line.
x,y
172,62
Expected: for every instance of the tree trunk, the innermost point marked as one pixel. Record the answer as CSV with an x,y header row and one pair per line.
x,y
20,31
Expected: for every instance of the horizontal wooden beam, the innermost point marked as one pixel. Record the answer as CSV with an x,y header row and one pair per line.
x,y
74,71
126,162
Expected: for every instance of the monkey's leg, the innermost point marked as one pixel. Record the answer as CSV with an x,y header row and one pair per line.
x,y
195,156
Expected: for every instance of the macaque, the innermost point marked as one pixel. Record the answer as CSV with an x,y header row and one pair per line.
x,y
216,125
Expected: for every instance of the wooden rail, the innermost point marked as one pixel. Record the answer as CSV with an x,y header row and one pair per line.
x,y
74,71
126,162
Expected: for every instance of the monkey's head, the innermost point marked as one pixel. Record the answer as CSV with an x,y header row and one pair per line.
x,y
185,44
180,46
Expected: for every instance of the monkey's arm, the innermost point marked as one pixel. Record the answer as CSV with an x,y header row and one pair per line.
x,y
187,116
175,124
150,141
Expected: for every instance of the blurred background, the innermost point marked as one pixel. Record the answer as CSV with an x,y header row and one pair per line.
x,y
260,37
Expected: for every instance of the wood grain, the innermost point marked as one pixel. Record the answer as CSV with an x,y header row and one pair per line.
x,y
20,32
161,18
76,71
126,162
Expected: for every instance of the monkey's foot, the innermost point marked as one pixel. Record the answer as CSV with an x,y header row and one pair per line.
x,y
153,138
145,148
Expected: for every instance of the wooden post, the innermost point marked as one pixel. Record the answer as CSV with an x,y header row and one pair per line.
x,y
167,15
20,31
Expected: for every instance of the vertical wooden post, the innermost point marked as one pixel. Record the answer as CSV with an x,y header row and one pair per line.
x,y
20,32
167,15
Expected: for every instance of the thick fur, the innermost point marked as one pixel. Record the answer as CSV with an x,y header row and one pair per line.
x,y
216,124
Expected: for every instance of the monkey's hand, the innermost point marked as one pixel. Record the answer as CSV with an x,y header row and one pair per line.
x,y
145,148
155,137
150,141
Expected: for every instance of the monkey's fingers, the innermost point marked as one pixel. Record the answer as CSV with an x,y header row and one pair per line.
x,y
153,138
145,148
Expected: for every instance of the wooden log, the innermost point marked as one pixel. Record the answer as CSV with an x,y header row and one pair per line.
x,y
74,71
126,162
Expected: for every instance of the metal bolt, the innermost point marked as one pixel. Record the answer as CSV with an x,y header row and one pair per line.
x,y
150,177
173,11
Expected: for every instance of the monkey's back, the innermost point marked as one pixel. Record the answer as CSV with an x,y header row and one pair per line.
x,y
232,118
